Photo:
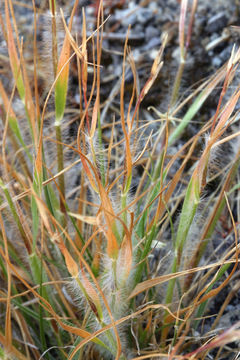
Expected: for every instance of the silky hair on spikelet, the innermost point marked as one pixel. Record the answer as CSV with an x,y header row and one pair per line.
x,y
197,225
117,303
203,207
98,159
46,46
214,158
111,285
116,290
95,154
217,164
125,347
78,298
94,150
14,236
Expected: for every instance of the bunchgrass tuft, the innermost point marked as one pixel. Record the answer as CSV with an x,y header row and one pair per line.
x,y
118,267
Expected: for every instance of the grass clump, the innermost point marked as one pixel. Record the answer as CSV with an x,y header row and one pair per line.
x,y
78,280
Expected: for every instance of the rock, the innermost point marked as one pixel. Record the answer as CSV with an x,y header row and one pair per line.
x,y
155,41
126,16
216,23
151,32
144,15
216,61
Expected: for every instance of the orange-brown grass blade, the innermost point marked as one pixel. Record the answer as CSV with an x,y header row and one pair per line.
x,y
126,254
46,305
92,296
190,26
70,263
4,32
229,75
72,269
122,320
45,216
73,43
13,349
94,116
156,67
112,245
8,108
28,102
145,285
26,335
111,232
205,294
61,87
192,196
230,106
228,336
84,65
97,66
63,72
13,56
88,172
12,119
21,78
208,88
210,225
128,156
85,285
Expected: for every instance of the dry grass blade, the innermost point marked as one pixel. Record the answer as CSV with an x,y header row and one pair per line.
x,y
226,337
161,279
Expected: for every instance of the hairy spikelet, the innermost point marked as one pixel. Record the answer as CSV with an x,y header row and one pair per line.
x,y
46,46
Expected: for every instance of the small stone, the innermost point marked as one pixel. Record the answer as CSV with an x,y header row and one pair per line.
x,y
216,23
153,54
226,53
176,54
126,17
137,56
154,42
138,28
144,15
216,62
77,98
151,32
